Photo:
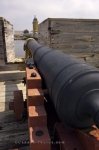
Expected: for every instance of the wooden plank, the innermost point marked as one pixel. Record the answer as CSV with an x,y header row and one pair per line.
x,y
11,84
11,67
12,133
9,98
18,82
11,75
6,117
17,126
6,92
4,102
11,89
9,93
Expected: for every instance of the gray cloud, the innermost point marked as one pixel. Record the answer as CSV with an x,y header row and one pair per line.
x,y
21,12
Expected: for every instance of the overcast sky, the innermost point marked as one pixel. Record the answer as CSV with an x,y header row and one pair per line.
x,y
21,12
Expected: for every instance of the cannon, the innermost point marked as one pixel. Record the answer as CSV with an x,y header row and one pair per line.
x,y
73,85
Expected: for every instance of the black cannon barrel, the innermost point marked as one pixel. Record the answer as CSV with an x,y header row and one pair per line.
x,y
73,85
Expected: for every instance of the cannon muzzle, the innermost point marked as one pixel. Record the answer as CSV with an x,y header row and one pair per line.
x,y
72,84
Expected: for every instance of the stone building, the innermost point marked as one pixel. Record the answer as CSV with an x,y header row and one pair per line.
x,y
35,27
79,37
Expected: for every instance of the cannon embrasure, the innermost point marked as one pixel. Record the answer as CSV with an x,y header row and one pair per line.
x,y
72,84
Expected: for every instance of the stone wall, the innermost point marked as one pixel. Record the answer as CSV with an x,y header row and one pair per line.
x,y
7,53
79,37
